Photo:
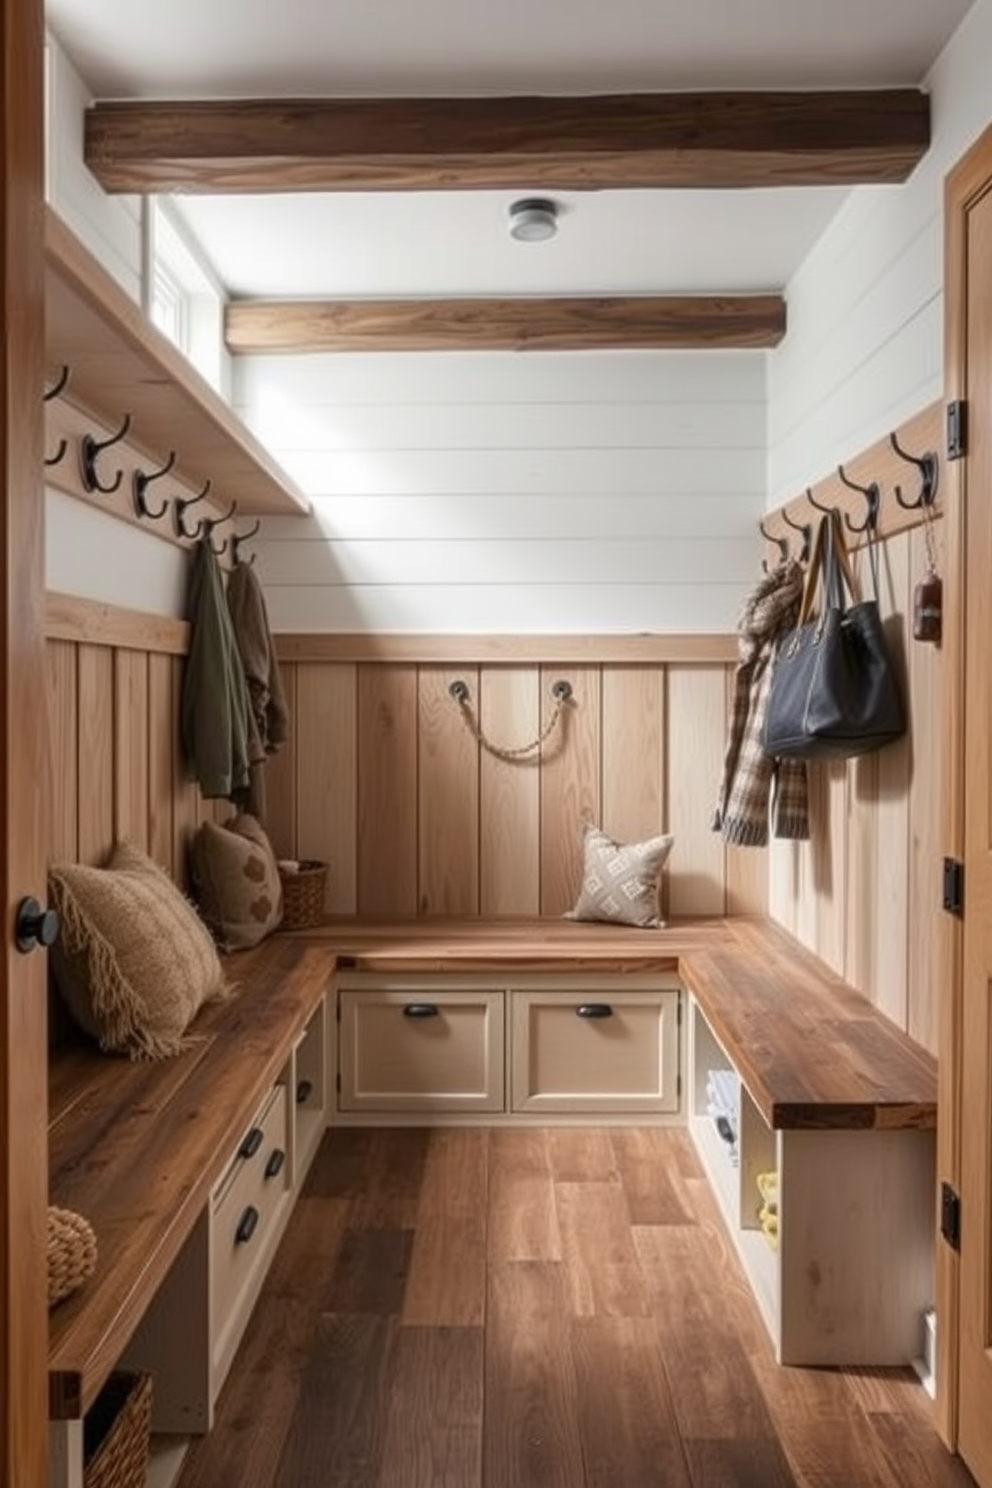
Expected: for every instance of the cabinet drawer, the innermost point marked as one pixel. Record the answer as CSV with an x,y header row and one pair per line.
x,y
421,1049
244,1211
598,1049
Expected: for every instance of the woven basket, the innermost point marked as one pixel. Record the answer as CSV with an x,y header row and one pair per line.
x,y
117,1432
302,893
71,1253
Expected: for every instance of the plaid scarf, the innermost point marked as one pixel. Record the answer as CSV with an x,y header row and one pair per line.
x,y
751,777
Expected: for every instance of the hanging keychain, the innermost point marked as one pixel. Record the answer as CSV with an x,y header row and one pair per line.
x,y
928,594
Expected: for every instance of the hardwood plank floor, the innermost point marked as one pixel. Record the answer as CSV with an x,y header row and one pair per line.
x,y
530,1309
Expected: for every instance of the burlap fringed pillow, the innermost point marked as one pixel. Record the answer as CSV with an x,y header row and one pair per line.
x,y
620,881
133,961
236,881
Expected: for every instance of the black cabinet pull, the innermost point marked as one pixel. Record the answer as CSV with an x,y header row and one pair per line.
x,y
594,1010
246,1226
420,1010
252,1142
274,1165
304,1090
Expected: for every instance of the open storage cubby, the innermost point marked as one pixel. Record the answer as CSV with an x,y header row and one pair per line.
x,y
852,1274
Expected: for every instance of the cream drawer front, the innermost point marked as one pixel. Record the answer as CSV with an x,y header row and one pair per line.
x,y
595,1050
245,1207
421,1049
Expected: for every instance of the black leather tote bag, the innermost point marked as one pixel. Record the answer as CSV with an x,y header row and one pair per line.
x,y
833,692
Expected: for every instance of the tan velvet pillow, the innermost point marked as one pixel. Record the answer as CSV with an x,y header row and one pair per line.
x,y
620,881
133,961
236,881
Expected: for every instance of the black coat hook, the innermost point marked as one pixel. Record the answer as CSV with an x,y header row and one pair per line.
x,y
59,387
782,543
237,538
181,506
209,523
806,528
819,506
142,481
90,449
872,497
928,466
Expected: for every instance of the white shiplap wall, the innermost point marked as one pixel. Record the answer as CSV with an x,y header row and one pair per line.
x,y
494,492
864,348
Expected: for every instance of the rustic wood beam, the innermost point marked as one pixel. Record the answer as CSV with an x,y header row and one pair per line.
x,y
531,324
632,140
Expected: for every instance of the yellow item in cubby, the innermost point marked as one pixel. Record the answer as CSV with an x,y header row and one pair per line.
x,y
768,1188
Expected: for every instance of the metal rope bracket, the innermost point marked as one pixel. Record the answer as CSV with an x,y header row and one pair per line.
x,y
562,693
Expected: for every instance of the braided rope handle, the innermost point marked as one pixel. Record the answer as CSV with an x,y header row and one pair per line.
x,y
562,692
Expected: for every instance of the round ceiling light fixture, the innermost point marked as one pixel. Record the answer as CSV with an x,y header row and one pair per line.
x,y
533,219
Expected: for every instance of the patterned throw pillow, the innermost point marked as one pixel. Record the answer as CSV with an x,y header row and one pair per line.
x,y
133,961
620,881
236,881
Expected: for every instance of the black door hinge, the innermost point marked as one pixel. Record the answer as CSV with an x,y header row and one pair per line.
x,y
950,1216
953,886
957,429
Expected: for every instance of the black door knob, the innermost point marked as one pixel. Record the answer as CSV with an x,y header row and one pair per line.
x,y
35,926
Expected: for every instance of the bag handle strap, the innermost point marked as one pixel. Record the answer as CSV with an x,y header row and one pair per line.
x,y
816,562
844,571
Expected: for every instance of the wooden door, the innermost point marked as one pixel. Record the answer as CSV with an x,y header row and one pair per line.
x,y
23,1075
967,1048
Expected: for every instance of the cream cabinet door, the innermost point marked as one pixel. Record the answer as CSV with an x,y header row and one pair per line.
x,y
595,1048
418,1048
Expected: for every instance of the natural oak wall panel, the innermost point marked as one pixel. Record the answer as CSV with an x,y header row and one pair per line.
x,y
570,783
186,795
280,779
131,794
890,976
509,794
633,753
96,753
448,776
697,713
162,750
387,790
63,762
327,777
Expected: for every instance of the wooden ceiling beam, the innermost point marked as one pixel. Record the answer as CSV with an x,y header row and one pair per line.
x,y
719,139
582,323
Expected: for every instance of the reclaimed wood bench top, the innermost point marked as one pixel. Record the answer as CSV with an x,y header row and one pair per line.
x,y
137,1146
812,1051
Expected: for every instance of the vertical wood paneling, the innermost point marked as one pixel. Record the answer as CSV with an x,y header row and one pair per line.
x,y
95,755
697,722
327,776
448,784
890,978
131,747
746,869
926,664
63,779
828,782
633,770
862,867
570,780
509,794
162,747
186,794
387,790
280,779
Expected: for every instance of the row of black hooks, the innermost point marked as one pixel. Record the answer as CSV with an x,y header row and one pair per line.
x,y
97,479
927,467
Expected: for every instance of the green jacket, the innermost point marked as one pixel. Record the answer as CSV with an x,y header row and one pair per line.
x,y
215,694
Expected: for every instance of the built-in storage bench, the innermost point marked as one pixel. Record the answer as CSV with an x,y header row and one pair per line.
x,y
188,1169
840,1106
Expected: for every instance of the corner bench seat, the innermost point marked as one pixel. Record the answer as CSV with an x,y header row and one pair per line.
x,y
136,1147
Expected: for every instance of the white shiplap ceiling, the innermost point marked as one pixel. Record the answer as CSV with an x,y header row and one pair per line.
x,y
394,244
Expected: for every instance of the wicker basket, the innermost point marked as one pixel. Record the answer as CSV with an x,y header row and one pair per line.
x,y
117,1432
71,1253
303,887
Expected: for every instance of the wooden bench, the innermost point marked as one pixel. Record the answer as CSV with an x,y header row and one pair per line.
x,y
142,1148
139,1148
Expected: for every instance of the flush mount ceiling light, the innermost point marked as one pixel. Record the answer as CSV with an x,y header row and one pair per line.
x,y
533,219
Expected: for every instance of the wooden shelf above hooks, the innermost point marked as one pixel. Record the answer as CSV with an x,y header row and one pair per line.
x,y
121,364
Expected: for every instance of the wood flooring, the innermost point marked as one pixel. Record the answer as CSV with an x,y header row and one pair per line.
x,y
535,1309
